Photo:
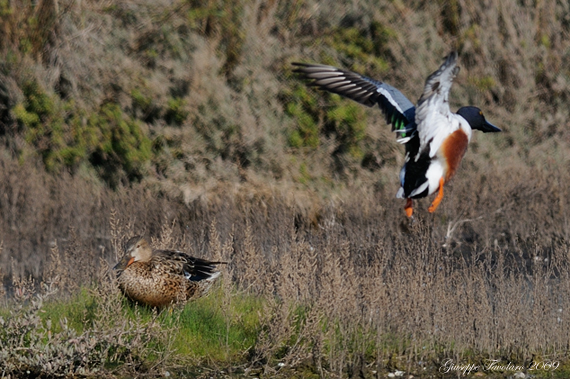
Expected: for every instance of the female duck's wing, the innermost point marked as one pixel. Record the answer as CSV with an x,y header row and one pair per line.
x,y
399,111
433,116
179,263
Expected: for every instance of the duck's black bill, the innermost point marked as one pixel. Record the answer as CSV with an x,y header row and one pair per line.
x,y
489,128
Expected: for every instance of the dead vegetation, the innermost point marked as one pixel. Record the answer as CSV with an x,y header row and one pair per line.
x,y
39,340
359,290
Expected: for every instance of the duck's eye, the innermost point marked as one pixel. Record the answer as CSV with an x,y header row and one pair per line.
x,y
480,113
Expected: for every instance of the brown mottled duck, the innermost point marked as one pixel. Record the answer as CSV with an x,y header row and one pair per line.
x,y
161,277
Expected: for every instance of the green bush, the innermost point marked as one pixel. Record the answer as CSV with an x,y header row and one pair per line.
x,y
222,19
66,136
337,118
143,106
122,149
304,109
362,46
175,113
347,121
41,118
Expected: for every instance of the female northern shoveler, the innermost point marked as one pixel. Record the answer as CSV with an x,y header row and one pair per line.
x,y
161,277
435,138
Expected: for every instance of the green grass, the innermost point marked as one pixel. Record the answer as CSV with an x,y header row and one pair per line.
x,y
217,327
216,331
205,330
79,310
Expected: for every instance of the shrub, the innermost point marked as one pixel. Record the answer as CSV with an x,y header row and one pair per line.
x,y
38,339
340,119
122,148
302,105
362,46
41,118
112,141
175,113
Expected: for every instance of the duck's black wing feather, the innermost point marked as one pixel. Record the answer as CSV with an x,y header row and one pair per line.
x,y
192,268
399,111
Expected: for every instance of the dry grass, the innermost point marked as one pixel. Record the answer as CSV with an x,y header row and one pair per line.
x,y
354,287
87,335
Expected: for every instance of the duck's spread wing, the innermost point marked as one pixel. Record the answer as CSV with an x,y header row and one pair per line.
x,y
179,263
399,111
433,107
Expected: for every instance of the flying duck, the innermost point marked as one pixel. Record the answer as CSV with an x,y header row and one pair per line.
x,y
435,138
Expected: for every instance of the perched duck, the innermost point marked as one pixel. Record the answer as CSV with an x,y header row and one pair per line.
x,y
435,138
161,277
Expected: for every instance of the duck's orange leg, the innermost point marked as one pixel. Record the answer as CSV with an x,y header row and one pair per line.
x,y
408,207
438,198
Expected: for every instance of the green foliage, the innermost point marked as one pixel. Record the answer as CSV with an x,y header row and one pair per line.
x,y
41,117
79,311
177,47
206,329
175,113
38,108
450,16
222,19
348,122
305,176
341,119
28,27
303,107
144,107
41,341
5,9
223,136
140,101
483,84
210,330
29,119
472,35
122,147
364,47
65,136
545,41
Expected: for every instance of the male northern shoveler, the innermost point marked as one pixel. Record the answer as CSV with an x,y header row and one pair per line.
x,y
161,277
435,138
